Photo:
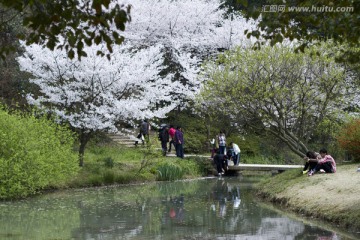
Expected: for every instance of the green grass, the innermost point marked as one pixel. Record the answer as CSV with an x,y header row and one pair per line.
x,y
275,189
108,164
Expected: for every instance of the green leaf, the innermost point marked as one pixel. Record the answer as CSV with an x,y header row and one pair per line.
x,y
71,54
97,40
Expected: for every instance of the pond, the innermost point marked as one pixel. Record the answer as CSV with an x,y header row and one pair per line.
x,y
210,208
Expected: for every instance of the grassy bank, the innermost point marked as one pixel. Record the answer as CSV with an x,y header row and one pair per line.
x,y
113,164
330,197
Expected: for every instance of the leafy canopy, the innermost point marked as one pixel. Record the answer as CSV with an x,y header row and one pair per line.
x,y
277,90
79,22
306,22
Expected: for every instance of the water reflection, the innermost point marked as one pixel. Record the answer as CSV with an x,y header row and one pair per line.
x,y
200,209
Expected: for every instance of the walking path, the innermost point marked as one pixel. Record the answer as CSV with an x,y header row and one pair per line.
x,y
128,139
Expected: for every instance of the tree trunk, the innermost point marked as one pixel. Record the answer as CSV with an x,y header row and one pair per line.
x,y
84,139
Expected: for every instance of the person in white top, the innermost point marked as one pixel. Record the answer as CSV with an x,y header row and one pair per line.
x,y
237,151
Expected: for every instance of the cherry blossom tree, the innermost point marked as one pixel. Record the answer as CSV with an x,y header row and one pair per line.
x,y
147,76
94,93
188,30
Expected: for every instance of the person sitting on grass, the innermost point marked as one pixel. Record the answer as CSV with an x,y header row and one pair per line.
x,y
327,163
311,159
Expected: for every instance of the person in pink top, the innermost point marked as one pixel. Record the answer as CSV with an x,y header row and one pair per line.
x,y
327,163
172,131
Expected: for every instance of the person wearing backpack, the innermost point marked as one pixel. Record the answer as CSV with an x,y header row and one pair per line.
x,y
164,138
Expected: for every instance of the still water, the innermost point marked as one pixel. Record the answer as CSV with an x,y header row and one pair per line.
x,y
211,208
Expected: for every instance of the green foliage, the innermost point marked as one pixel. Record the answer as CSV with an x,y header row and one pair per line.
x,y
66,19
194,128
168,171
276,91
131,165
109,177
109,162
261,159
182,168
35,153
349,138
195,141
340,23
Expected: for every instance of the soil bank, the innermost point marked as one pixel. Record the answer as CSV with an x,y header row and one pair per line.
x,y
334,198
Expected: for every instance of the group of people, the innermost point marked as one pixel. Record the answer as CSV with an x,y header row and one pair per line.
x,y
221,153
172,136
317,162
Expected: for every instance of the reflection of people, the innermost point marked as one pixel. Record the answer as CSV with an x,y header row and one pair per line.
x,y
235,194
327,163
177,208
222,207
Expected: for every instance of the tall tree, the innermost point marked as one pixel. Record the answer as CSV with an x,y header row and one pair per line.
x,y
94,93
278,91
189,31
154,71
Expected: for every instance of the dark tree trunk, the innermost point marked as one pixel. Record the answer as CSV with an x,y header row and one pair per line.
x,y
84,139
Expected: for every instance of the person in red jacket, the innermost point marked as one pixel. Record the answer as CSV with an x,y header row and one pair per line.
x,y
172,131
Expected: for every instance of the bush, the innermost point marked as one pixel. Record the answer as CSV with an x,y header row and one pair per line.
x,y
34,154
169,171
349,138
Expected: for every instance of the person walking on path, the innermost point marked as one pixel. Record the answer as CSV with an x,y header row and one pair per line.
x,y
172,131
144,130
236,157
222,142
179,141
164,138
327,163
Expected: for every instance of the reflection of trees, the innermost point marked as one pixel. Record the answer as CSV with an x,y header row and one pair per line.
x,y
38,218
178,210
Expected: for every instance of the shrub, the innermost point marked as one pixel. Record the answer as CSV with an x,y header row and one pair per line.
x,y
349,138
34,154
168,171
109,177
109,162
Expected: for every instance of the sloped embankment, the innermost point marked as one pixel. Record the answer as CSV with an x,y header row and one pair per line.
x,y
334,198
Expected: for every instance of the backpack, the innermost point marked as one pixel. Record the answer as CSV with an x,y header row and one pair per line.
x,y
160,133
